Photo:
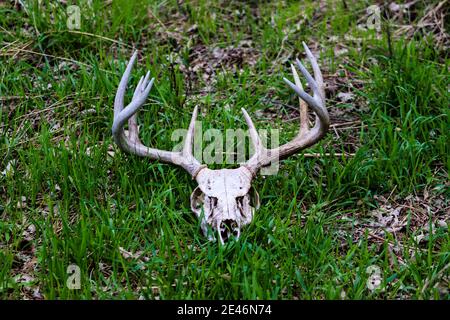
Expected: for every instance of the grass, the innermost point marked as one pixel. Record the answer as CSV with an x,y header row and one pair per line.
x,y
69,196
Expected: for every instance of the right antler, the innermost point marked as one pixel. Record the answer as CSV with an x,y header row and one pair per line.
x,y
131,142
306,136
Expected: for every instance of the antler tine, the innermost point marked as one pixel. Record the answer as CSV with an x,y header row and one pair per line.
x,y
193,166
132,143
317,73
133,130
189,140
304,121
254,137
306,137
118,101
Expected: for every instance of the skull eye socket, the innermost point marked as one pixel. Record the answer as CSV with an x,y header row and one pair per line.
x,y
240,205
197,200
240,201
213,201
254,198
197,205
212,205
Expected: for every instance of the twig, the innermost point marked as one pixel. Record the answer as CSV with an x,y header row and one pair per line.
x,y
156,18
100,37
60,58
7,98
319,155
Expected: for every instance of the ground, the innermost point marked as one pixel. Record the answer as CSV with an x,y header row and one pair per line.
x,y
363,214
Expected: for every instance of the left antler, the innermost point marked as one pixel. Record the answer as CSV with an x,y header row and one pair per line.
x,y
306,136
131,142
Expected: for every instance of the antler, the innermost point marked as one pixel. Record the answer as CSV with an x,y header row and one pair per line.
x,y
131,142
306,136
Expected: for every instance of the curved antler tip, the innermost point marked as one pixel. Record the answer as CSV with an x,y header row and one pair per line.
x,y
130,64
134,56
247,118
193,118
308,51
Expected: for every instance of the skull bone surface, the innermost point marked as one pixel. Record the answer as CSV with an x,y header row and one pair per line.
x,y
225,201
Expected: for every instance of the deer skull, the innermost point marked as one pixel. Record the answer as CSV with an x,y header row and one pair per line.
x,y
224,199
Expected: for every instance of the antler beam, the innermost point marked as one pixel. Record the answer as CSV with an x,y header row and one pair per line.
x,y
306,136
131,142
